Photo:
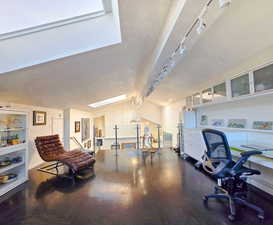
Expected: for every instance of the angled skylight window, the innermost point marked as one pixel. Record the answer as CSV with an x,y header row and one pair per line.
x,y
16,15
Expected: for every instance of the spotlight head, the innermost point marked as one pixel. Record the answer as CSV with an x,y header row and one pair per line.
x,y
224,3
201,27
182,49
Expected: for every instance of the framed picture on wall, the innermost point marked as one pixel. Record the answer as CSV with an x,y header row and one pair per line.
x,y
89,144
39,118
77,126
85,129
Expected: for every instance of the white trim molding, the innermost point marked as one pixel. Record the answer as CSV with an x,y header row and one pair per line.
x,y
52,25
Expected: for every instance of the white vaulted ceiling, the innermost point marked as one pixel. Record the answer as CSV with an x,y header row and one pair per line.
x,y
150,31
79,80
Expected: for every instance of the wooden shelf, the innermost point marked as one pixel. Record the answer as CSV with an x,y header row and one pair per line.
x,y
10,167
13,129
13,148
4,188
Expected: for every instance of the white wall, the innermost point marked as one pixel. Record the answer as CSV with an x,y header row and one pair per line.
x,y
171,116
70,117
121,114
55,115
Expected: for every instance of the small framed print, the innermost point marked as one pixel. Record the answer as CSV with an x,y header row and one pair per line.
x,y
77,126
89,144
39,118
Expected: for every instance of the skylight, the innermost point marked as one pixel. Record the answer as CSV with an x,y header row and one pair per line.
x,y
108,101
17,15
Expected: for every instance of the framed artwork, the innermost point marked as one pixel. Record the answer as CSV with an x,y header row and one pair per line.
x,y
85,129
39,118
218,123
263,125
89,144
237,123
77,126
204,120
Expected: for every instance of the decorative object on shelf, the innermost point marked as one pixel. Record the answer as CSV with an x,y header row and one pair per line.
x,y
17,159
204,120
4,179
15,140
39,118
218,123
85,129
5,162
237,123
263,125
77,126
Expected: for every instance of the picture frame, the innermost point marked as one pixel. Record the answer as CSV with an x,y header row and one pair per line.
x,y
39,118
77,126
89,144
85,129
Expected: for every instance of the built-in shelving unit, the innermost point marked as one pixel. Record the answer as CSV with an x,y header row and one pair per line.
x,y
13,145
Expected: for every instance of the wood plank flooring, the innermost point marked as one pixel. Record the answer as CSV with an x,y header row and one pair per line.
x,y
130,189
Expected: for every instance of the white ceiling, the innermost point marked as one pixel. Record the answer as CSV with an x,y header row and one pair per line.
x,y
241,32
238,34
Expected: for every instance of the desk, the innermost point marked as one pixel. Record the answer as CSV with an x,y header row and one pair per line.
x,y
258,159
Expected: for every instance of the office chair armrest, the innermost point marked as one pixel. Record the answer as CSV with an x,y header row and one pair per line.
x,y
250,153
242,160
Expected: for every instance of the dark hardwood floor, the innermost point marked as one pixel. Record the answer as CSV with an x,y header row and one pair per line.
x,y
128,190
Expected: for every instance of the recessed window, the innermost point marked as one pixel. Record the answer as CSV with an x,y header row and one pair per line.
x,y
18,15
240,86
263,79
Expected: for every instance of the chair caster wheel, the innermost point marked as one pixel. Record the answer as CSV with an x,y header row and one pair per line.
x,y
261,217
231,217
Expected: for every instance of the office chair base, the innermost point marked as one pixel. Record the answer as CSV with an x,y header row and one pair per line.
x,y
232,200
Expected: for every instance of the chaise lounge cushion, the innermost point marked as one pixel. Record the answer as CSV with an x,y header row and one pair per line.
x,y
50,149
77,159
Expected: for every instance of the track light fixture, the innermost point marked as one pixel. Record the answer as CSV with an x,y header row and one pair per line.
x,y
181,48
201,26
224,3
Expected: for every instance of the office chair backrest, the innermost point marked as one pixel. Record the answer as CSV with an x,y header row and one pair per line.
x,y
218,155
217,145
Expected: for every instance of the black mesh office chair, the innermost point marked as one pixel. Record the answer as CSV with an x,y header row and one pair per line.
x,y
231,176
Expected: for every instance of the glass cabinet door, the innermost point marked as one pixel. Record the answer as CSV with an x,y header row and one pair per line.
x,y
219,91
240,86
189,101
263,78
207,95
196,99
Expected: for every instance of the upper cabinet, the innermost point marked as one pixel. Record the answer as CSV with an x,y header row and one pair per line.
x,y
250,84
240,86
207,95
219,92
263,79
196,99
189,101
